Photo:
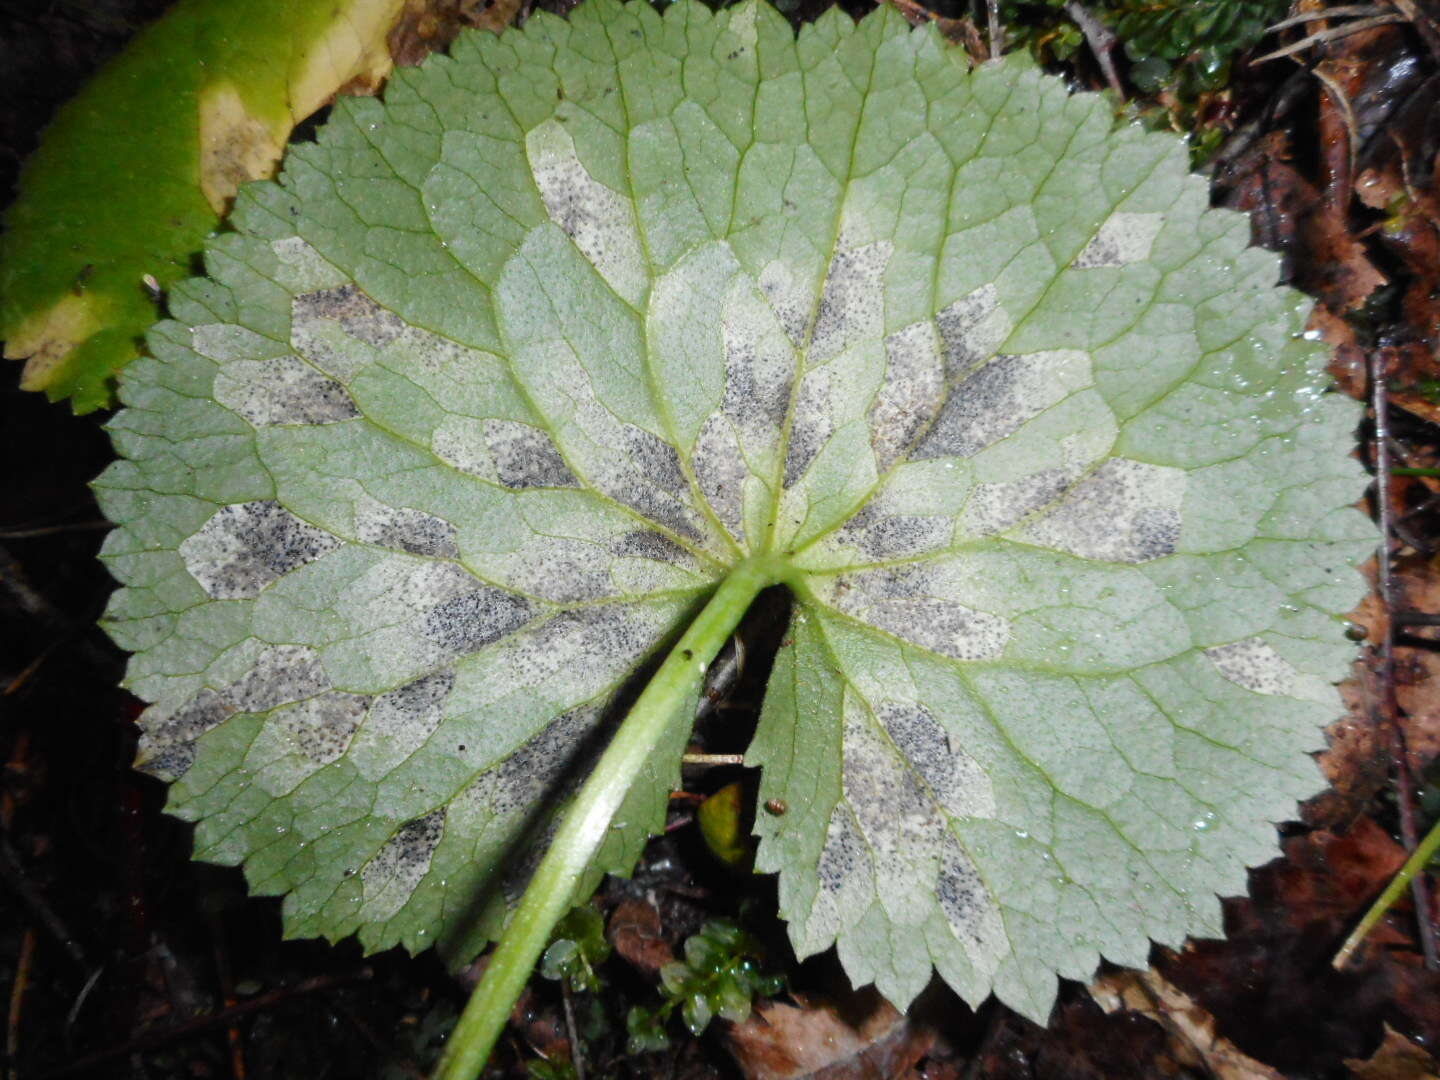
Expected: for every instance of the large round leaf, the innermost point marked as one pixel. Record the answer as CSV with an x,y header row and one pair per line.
x,y
488,393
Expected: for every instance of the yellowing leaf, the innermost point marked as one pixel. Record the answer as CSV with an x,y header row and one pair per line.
x,y
142,165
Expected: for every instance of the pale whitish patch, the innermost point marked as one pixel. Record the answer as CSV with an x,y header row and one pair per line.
x,y
970,909
524,456
321,727
167,735
904,826
466,615
404,528
1125,511
1124,238
852,307
226,342
399,723
600,221
528,776
246,546
789,299
720,472
317,317
574,653
845,876
972,328
993,508
1253,664
997,400
912,603
812,423
282,390
874,533
912,393
281,674
954,778
390,878
303,269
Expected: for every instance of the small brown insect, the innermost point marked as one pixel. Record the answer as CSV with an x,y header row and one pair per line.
x,y
776,806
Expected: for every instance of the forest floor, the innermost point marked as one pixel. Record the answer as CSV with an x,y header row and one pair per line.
x,y
121,957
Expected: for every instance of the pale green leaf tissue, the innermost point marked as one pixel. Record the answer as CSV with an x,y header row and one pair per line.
x,y
482,399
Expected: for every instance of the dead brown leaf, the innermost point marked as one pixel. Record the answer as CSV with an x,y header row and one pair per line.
x,y
1270,985
859,1038
1194,1043
638,936
1397,1058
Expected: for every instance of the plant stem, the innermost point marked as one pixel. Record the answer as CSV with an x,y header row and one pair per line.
x,y
551,891
1401,471
1413,865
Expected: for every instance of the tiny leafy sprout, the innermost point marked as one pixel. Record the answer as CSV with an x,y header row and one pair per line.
x,y
541,1069
720,976
524,383
579,948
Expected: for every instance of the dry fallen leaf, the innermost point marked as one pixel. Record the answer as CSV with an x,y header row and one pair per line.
x,y
1396,1058
861,1037
1194,1042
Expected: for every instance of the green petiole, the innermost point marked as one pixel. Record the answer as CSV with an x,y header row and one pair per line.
x,y
550,893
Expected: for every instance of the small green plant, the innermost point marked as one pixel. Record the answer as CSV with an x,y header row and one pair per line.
x,y
1180,52
579,948
721,975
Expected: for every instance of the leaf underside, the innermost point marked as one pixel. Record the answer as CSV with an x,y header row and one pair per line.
x,y
483,398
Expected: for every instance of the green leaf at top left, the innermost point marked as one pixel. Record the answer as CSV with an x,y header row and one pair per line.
x,y
141,166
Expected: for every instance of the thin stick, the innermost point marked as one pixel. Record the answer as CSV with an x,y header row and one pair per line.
x,y
1389,707
157,1039
994,30
1335,33
34,899
1101,40
577,1053
1342,12
713,759
18,987
1411,872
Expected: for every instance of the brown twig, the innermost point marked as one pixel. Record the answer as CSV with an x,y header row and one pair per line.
x,y
21,533
156,1039
960,31
1101,39
577,1053
1389,707
18,986
1424,25
30,600
227,995
31,896
1334,33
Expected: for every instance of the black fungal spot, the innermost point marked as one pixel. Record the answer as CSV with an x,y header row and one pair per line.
x,y
357,314
246,546
657,460
471,621
843,855
962,897
644,544
525,457
409,530
982,409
